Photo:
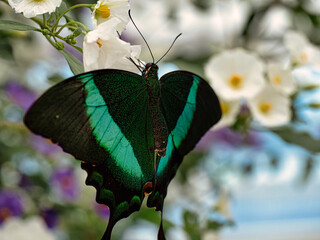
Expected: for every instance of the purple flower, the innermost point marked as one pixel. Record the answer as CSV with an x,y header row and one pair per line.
x,y
44,145
65,184
19,95
229,137
50,217
102,210
10,205
24,182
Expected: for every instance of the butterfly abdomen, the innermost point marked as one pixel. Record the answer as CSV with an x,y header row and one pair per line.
x,y
160,130
159,126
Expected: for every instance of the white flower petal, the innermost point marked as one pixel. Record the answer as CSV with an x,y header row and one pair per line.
x,y
101,51
106,10
32,8
105,31
230,110
90,56
301,50
281,79
270,108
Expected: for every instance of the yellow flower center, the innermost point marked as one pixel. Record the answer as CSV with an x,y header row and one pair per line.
x,y
303,57
99,42
265,107
277,80
103,12
236,81
224,108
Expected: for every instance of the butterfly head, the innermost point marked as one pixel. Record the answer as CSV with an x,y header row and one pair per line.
x,y
151,70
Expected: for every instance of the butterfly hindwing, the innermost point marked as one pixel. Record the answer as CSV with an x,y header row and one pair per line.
x,y
190,108
103,119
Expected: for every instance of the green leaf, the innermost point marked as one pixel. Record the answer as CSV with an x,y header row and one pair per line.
x,y
61,9
75,65
191,225
299,138
11,25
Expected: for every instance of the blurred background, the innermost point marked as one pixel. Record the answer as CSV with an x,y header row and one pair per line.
x,y
243,181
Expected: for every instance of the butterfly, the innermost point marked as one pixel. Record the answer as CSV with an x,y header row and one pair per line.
x,y
130,131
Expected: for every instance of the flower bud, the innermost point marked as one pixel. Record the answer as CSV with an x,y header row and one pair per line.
x,y
73,41
59,45
45,31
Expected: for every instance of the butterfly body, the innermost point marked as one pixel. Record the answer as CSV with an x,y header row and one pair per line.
x,y
131,132
159,126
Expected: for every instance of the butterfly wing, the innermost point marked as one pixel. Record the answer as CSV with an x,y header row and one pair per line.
x,y
103,119
190,108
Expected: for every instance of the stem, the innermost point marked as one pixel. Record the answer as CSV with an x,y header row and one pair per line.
x,y
50,41
42,24
82,25
70,23
54,27
38,21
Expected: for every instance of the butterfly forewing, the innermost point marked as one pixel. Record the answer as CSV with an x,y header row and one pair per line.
x,y
103,119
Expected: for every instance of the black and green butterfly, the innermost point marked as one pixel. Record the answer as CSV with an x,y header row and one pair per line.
x,y
130,131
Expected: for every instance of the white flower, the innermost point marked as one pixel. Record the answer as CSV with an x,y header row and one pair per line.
x,y
235,74
230,110
281,79
30,229
312,6
102,49
306,77
108,9
270,108
301,50
275,22
32,8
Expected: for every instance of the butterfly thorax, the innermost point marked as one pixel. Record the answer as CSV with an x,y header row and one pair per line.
x,y
159,126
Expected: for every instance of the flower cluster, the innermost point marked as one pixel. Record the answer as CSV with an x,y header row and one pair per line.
x,y
102,47
243,81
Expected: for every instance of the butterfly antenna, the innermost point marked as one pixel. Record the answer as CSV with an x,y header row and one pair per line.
x,y
169,48
139,67
141,36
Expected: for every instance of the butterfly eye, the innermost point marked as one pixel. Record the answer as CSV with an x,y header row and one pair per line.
x,y
147,189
